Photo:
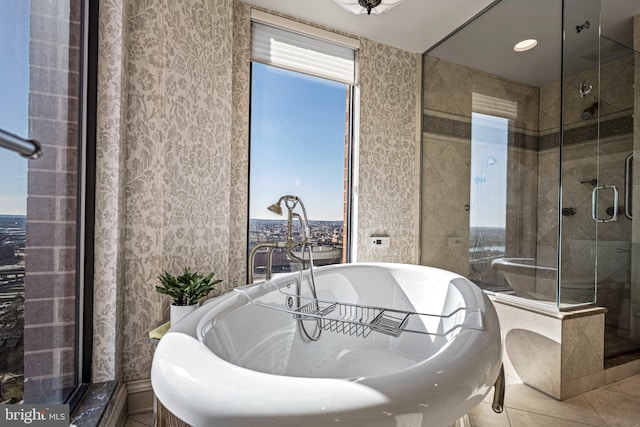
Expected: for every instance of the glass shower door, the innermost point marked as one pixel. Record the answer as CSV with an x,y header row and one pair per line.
x,y
615,255
597,234
585,197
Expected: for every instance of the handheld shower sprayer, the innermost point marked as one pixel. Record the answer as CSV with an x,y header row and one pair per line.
x,y
291,202
490,162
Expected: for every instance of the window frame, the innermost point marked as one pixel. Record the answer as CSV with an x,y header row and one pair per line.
x,y
349,165
86,202
351,158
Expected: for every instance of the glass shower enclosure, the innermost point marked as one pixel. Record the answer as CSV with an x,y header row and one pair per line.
x,y
527,164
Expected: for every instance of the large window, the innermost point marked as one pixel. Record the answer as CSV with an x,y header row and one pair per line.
x,y
43,292
300,146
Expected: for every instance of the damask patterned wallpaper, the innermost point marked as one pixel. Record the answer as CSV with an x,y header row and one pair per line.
x,y
240,144
109,221
164,160
173,150
177,186
388,170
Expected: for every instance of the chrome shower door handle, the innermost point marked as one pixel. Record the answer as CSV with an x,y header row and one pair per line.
x,y
594,203
627,186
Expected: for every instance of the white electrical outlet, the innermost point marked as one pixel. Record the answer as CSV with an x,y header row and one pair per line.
x,y
380,241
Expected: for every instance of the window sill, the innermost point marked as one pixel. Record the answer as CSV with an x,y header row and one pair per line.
x,y
91,410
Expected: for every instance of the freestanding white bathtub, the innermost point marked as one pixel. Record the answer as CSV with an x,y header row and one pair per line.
x,y
241,359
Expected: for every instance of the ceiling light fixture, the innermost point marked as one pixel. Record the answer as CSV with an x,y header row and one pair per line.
x,y
368,6
525,45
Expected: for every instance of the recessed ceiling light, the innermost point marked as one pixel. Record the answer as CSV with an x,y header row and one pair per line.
x,y
525,45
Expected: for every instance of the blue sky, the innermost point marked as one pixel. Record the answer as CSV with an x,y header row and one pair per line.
x,y
14,101
297,142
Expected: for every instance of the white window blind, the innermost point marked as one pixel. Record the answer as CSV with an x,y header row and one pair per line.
x,y
295,51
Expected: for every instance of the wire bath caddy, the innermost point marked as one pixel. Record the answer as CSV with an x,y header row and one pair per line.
x,y
360,320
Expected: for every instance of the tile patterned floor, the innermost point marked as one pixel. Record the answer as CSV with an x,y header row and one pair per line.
x,y
139,420
615,405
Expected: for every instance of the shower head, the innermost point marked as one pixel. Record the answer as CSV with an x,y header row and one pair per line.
x,y
289,201
589,112
276,208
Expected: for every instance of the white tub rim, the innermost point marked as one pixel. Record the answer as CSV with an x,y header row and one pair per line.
x,y
319,395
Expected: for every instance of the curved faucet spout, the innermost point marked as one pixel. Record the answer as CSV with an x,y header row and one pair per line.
x,y
252,255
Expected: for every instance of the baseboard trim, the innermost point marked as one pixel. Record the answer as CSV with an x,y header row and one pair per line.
x,y
139,396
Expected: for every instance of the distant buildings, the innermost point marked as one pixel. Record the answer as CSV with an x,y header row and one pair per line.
x,y
13,234
326,236
12,244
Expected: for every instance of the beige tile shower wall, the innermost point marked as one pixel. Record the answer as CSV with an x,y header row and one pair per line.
x,y
612,85
446,162
448,91
580,162
444,236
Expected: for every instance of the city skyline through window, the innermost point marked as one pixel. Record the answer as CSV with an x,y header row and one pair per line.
x,y
42,81
298,146
14,118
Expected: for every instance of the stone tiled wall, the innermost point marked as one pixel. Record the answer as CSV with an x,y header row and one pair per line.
x,y
533,176
446,160
50,281
560,354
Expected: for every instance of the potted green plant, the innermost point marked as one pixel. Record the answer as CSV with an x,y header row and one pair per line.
x,y
186,291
